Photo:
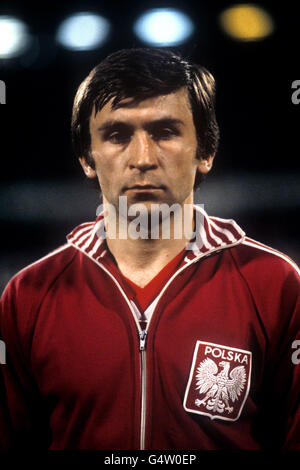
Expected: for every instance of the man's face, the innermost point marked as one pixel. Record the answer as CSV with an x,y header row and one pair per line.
x,y
146,151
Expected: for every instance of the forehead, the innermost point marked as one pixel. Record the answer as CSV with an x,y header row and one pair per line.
x,y
175,105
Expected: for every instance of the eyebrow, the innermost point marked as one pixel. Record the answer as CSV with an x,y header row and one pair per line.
x,y
167,121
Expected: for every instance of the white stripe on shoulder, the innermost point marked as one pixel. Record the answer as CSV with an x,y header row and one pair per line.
x,y
223,230
227,232
82,230
261,246
58,250
92,235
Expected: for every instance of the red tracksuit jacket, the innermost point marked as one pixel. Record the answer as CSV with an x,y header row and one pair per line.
x,y
216,369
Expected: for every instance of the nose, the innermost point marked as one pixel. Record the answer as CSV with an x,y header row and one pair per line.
x,y
142,152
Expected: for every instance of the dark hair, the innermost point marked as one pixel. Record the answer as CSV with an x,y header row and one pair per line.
x,y
140,74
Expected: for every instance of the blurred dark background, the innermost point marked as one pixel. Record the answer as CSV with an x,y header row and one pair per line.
x,y
256,177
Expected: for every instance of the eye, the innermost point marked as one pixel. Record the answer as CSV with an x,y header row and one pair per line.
x,y
118,135
164,133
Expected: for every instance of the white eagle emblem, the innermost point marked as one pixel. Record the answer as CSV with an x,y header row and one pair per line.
x,y
219,388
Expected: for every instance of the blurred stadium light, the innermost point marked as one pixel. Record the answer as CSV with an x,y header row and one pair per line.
x,y
14,37
83,31
163,27
246,22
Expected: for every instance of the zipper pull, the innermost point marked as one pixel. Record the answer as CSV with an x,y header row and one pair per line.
x,y
143,336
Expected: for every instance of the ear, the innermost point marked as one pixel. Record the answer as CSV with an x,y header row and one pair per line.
x,y
205,164
88,170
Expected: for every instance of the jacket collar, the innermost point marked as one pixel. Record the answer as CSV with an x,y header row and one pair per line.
x,y
214,234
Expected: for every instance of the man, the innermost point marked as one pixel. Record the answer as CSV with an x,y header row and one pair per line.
x,y
168,330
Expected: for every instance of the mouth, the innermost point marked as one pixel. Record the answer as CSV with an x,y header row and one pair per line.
x,y
145,188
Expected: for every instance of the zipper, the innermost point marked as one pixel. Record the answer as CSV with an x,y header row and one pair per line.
x,y
143,366
143,338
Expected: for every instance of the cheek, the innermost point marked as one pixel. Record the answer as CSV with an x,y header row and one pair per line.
x,y
103,162
102,169
108,173
184,161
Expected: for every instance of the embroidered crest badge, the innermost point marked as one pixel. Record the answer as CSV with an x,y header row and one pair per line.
x,y
219,381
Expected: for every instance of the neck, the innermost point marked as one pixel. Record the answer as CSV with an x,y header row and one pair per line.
x,y
141,251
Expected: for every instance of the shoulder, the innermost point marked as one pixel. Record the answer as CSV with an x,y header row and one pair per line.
x,y
27,289
253,256
36,277
25,292
271,277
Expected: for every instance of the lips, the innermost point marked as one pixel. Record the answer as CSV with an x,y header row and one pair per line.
x,y
144,187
